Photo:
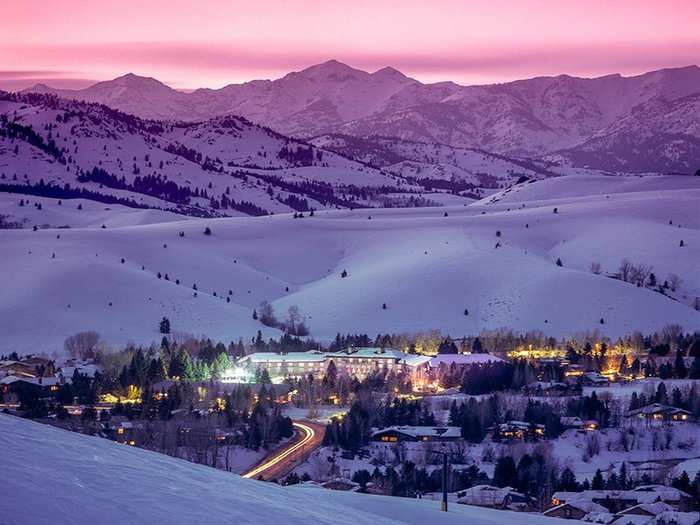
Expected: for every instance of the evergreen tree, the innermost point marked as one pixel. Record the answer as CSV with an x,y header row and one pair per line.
x,y
597,483
505,473
164,325
679,365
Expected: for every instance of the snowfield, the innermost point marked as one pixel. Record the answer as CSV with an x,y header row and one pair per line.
x,y
427,265
82,479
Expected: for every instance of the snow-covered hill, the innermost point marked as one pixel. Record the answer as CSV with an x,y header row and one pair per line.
x,y
225,166
607,123
442,166
495,258
78,479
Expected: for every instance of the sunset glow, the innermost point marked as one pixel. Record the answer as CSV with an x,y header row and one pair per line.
x,y
188,44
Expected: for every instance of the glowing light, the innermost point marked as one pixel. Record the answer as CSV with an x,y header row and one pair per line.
x,y
237,375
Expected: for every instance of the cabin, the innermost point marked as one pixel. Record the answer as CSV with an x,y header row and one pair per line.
x,y
518,430
397,434
659,413
547,389
574,510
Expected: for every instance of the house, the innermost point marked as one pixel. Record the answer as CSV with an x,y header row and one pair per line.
x,y
576,423
160,389
405,433
659,413
40,366
13,387
16,368
573,370
494,497
575,509
83,368
547,389
571,422
594,379
518,430
616,501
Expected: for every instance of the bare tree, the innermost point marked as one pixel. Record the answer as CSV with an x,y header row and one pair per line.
x,y
625,267
596,268
267,314
293,319
83,345
639,274
674,281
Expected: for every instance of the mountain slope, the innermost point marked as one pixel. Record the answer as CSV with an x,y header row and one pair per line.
x,y
522,118
427,267
82,479
219,167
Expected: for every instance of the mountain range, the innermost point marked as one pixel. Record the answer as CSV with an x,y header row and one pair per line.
x,y
644,123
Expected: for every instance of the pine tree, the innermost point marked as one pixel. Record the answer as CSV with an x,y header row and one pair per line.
x,y
597,483
164,325
679,365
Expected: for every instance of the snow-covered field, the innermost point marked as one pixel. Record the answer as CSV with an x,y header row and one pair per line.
x,y
82,479
426,267
77,213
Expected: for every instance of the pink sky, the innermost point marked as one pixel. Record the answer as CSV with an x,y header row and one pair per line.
x,y
190,44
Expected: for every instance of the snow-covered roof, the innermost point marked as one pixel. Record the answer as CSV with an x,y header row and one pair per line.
x,y
312,356
571,421
486,495
423,431
87,370
463,359
689,466
632,519
651,508
642,494
369,352
45,381
582,504
599,517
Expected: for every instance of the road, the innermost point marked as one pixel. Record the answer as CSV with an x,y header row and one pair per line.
x,y
279,463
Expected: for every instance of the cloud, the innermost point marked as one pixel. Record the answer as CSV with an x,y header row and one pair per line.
x,y
193,64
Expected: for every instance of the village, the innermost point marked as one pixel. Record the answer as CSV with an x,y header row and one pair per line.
x,y
599,432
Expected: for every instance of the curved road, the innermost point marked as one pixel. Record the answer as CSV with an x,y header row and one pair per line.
x,y
281,462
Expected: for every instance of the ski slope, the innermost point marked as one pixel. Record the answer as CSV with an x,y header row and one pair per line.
x,y
81,479
427,268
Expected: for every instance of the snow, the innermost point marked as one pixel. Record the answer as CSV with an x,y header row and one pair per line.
x,y
691,466
425,267
91,215
463,359
82,479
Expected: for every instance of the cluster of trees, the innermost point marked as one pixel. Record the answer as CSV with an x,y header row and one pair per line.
x,y
688,398
643,276
300,155
153,185
353,431
294,324
41,189
13,130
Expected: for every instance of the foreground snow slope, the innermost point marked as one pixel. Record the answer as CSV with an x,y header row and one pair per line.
x,y
82,480
426,267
